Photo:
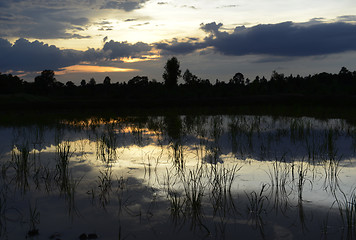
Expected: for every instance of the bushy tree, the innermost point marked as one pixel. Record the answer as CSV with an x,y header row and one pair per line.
x,y
83,83
107,81
92,81
238,79
46,79
139,81
171,72
190,78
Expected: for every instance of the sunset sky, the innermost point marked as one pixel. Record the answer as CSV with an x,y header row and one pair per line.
x,y
214,39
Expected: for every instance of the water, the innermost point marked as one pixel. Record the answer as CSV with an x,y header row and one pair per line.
x,y
193,177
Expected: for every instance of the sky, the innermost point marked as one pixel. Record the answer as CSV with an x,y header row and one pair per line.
x,y
81,39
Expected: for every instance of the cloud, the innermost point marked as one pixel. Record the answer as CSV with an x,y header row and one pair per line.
x,y
211,27
286,39
126,5
229,6
43,22
282,39
130,20
189,6
176,47
125,49
347,18
28,56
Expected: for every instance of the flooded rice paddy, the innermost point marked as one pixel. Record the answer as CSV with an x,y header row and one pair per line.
x,y
179,177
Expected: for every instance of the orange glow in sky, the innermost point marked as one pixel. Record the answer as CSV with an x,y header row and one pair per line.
x,y
91,68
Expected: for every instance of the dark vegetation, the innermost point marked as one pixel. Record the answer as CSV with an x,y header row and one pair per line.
x,y
323,89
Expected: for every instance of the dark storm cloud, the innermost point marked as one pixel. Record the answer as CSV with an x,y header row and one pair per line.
x,y
35,56
211,28
126,5
125,49
282,39
176,47
43,22
286,39
31,56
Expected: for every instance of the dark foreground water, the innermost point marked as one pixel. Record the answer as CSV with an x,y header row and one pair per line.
x,y
179,177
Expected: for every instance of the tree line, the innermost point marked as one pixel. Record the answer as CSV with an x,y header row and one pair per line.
x,y
193,87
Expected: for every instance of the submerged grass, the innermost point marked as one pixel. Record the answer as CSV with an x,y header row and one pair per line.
x,y
62,166
347,210
34,220
106,145
21,164
221,179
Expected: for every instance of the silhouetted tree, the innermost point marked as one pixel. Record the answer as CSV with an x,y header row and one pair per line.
x,y
107,81
92,81
83,83
171,72
46,79
70,84
238,79
139,81
190,78
279,77
10,84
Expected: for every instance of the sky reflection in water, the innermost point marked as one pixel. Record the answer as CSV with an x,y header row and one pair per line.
x,y
210,177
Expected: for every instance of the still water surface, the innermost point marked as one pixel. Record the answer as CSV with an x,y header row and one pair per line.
x,y
192,177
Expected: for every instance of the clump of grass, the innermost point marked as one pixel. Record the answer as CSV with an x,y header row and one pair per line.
x,y
279,176
62,166
20,162
33,221
177,203
221,180
70,191
332,170
347,210
104,184
257,202
194,189
257,205
106,146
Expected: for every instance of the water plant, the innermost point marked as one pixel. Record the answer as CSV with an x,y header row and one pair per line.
x,y
62,165
20,162
221,180
347,210
257,202
106,144
177,203
256,208
33,221
280,178
193,188
104,185
178,154
331,174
